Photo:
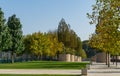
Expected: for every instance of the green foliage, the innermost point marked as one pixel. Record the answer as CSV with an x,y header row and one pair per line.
x,y
83,54
88,49
72,43
15,29
106,14
64,40
5,38
37,44
79,47
27,42
2,23
63,33
41,44
56,47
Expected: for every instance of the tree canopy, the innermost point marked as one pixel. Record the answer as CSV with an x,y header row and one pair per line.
x,y
50,44
5,38
106,16
66,35
15,28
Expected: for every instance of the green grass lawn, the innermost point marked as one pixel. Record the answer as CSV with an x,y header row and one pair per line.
x,y
44,65
33,75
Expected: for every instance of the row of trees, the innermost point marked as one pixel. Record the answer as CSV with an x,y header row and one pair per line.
x,y
106,16
11,38
43,44
50,44
61,41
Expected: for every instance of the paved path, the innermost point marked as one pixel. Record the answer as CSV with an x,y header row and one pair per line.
x,y
97,69
100,69
39,71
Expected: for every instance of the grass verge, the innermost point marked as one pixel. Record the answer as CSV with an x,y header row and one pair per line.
x,y
44,65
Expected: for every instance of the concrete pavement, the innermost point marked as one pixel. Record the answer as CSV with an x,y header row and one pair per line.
x,y
39,71
100,69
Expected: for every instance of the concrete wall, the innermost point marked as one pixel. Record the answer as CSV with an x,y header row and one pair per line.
x,y
72,58
69,58
62,57
79,59
75,57
93,58
101,57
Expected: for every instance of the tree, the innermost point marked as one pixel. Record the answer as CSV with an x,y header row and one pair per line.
x,y
73,39
15,29
5,38
66,35
107,42
83,54
106,17
63,33
2,24
56,47
27,41
79,47
42,44
88,49
37,44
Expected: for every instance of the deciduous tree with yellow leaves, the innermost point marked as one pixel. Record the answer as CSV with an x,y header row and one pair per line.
x,y
106,16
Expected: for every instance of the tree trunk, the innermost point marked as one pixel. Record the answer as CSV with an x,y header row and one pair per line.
x,y
38,57
113,60
7,58
27,57
41,57
57,56
12,57
108,59
116,60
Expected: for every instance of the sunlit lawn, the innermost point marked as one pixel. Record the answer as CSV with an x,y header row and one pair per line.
x,y
44,65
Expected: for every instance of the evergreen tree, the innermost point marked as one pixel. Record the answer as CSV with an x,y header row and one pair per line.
x,y
88,49
15,29
5,38
72,43
2,23
79,47
63,33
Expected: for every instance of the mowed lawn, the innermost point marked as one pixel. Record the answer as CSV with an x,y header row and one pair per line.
x,y
44,65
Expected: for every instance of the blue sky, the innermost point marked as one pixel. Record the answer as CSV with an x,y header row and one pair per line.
x,y
45,15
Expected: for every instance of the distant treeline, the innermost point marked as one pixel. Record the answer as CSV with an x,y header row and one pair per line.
x,y
50,44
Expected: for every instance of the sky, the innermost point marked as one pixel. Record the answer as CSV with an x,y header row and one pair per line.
x,y
45,15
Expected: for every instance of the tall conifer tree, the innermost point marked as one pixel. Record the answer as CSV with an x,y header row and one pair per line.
x,y
15,28
5,38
